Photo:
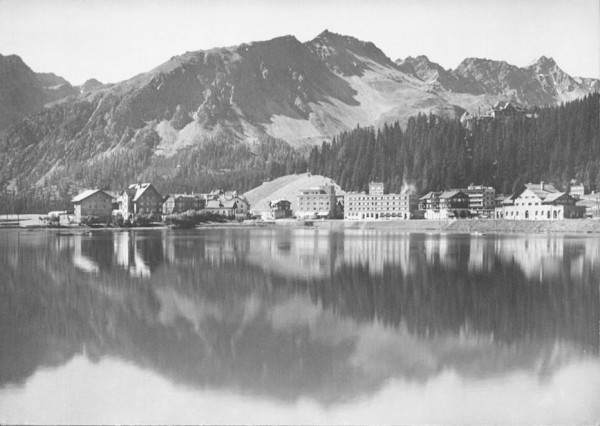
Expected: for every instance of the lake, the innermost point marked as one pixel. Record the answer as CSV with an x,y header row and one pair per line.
x,y
298,326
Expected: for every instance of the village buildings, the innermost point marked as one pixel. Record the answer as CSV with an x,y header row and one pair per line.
x,y
500,111
280,209
445,205
481,198
379,206
576,189
320,202
534,202
180,203
140,198
430,201
227,204
93,202
539,202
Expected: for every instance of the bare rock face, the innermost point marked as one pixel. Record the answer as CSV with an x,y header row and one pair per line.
x,y
347,55
303,93
541,83
430,72
181,118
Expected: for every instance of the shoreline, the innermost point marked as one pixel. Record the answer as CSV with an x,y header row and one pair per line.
x,y
472,226
491,226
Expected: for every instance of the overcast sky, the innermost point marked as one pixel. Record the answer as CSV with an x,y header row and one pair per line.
x,y
113,40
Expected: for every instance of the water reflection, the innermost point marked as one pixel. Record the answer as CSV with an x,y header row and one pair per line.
x,y
285,316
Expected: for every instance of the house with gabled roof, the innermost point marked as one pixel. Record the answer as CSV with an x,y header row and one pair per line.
x,y
140,198
430,201
280,209
92,202
229,205
540,202
454,199
180,203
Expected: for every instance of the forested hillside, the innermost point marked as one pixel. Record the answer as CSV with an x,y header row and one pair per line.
x,y
433,153
430,153
220,162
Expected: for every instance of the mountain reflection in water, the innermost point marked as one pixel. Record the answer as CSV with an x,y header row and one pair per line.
x,y
287,317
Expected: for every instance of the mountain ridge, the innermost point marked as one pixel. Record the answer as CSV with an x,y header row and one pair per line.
x,y
301,92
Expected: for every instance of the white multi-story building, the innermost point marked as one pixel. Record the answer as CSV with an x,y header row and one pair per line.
x,y
378,206
539,202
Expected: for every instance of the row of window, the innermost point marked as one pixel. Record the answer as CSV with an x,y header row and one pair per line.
x,y
375,209
382,198
555,214
371,215
402,203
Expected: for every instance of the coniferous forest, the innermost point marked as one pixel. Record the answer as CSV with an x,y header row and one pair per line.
x,y
432,153
429,153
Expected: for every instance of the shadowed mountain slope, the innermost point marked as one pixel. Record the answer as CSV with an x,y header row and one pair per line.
x,y
301,93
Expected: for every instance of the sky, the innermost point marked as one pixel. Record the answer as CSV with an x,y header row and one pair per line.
x,y
113,40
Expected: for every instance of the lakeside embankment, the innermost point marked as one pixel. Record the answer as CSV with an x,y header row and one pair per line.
x,y
574,226
469,226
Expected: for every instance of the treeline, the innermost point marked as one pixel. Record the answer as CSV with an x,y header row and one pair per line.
x,y
433,153
430,153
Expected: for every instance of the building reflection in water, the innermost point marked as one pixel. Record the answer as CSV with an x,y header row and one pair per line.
x,y
300,313
319,253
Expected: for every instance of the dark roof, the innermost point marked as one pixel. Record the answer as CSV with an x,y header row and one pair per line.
x,y
451,194
429,195
550,198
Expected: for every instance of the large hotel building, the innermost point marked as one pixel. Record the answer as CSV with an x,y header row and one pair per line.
x,y
320,202
377,205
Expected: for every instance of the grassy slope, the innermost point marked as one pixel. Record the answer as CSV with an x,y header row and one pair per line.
x,y
287,187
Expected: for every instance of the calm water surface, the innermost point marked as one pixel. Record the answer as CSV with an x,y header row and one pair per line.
x,y
298,326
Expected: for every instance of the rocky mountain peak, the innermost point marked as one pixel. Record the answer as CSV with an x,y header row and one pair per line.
x,y
89,85
347,55
479,65
544,65
428,71
302,93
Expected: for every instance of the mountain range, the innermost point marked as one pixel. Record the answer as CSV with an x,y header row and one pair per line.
x,y
302,93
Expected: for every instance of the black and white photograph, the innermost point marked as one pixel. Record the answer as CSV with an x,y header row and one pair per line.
x,y
300,212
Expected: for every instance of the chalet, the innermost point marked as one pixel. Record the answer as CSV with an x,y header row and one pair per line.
x,y
93,202
229,205
430,201
179,203
280,208
539,202
454,200
141,198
